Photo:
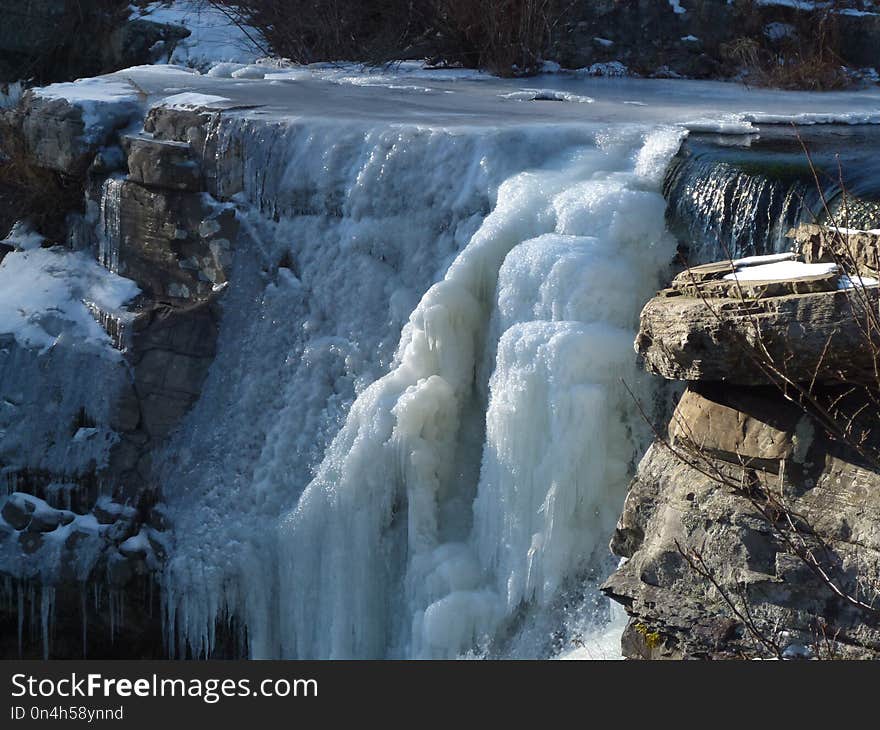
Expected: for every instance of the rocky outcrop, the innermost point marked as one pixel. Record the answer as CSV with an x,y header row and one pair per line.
x,y
56,136
97,526
707,328
752,527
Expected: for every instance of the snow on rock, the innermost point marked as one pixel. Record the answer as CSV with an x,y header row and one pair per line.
x,y
851,282
23,237
106,102
214,37
770,258
190,100
239,71
776,31
676,7
547,95
137,544
45,293
780,271
796,4
609,68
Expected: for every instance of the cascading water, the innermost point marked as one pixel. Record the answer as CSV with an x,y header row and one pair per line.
x,y
723,210
741,196
444,493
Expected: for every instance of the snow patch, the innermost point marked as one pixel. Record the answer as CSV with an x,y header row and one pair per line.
x,y
190,100
46,294
780,271
214,38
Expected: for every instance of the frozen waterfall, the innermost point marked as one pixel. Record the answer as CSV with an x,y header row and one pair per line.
x,y
419,371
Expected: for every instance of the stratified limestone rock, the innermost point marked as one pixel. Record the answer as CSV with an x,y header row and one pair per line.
x,y
707,329
173,244
58,137
762,437
172,349
82,515
686,500
164,164
819,244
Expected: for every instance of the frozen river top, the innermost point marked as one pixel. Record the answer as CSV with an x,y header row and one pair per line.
x,y
406,93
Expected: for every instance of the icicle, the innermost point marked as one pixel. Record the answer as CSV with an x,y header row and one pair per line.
x,y
47,610
109,234
20,619
85,620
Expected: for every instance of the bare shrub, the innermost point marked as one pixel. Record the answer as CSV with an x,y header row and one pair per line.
x,y
506,37
333,30
808,58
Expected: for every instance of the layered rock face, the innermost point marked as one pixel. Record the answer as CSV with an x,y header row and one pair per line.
x,y
752,527
82,538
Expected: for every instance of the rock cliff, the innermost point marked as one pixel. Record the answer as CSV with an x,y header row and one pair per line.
x,y
82,539
752,526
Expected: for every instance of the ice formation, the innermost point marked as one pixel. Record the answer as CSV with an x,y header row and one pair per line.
x,y
438,487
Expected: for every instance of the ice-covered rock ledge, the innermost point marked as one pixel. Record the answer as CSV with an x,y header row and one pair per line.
x,y
751,527
107,340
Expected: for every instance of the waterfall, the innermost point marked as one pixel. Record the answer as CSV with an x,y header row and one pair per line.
x,y
419,370
741,196
724,211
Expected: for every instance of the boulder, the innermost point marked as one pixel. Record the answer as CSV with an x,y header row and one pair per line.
x,y
48,519
163,164
17,511
722,336
173,244
711,419
684,501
